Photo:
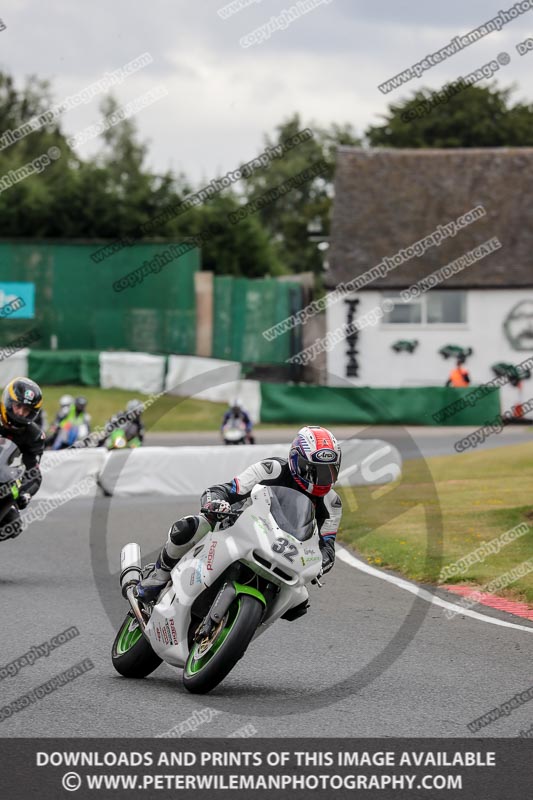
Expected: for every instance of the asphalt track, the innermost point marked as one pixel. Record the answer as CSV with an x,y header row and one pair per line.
x,y
412,442
369,659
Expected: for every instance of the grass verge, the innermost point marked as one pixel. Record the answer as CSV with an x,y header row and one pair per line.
x,y
167,414
478,495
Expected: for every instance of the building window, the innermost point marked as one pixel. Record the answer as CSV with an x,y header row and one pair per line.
x,y
437,307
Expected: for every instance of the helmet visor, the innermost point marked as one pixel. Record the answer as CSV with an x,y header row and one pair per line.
x,y
318,474
21,411
18,413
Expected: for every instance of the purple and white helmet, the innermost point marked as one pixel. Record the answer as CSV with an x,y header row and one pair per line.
x,y
315,460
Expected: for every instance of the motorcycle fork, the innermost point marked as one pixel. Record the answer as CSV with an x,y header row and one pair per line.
x,y
217,612
223,601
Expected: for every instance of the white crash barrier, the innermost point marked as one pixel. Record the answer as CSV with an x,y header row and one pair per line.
x,y
212,379
66,470
207,378
180,471
12,364
136,372
187,471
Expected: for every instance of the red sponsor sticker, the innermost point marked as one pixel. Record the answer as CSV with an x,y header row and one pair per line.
x,y
211,555
173,633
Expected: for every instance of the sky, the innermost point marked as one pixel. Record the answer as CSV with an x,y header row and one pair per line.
x,y
218,98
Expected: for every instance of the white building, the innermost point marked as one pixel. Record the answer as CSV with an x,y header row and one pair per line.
x,y
387,204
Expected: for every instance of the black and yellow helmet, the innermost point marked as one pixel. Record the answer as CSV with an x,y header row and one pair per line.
x,y
21,402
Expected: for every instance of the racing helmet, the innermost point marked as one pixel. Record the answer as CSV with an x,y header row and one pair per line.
x,y
80,404
21,402
236,407
315,460
134,407
65,400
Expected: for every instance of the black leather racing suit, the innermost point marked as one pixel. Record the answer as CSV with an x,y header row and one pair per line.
x,y
30,441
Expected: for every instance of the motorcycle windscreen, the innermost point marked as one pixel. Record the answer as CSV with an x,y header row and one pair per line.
x,y
9,452
293,512
9,474
11,466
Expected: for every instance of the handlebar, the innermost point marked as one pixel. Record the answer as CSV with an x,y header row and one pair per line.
x,y
221,514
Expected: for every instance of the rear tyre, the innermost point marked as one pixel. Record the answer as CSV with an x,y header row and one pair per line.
x,y
132,656
210,661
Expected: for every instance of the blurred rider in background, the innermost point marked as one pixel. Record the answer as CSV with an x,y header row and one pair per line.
x,y
65,403
74,426
130,421
236,412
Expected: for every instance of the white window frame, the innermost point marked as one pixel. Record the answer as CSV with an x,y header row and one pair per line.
x,y
423,324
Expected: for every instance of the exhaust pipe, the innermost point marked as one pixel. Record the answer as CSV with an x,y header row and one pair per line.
x,y
130,566
130,575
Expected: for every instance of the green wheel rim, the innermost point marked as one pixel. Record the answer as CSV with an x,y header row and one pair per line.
x,y
129,636
195,665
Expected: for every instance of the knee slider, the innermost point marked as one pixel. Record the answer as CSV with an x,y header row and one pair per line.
x,y
183,530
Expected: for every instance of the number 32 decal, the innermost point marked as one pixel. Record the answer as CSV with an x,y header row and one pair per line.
x,y
287,550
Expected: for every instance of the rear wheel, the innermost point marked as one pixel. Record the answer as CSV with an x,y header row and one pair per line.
x,y
212,659
132,656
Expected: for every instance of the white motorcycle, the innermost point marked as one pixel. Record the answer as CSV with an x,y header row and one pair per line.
x,y
250,571
234,432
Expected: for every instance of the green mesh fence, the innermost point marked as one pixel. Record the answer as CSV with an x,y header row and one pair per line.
x,y
77,367
303,405
243,309
76,302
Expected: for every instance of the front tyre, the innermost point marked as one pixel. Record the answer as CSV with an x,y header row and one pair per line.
x,y
132,656
211,660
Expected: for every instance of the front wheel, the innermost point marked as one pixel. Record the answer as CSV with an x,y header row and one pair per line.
x,y
132,655
212,659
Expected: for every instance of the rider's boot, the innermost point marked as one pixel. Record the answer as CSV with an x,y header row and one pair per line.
x,y
155,578
183,535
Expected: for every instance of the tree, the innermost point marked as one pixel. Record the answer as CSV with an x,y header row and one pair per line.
x,y
25,201
136,194
476,116
243,248
287,218
111,195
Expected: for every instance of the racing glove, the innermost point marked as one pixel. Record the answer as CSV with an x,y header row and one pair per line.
x,y
328,554
213,508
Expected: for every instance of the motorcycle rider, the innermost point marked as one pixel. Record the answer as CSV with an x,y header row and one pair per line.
x,y
237,412
19,406
65,404
312,468
79,415
76,418
130,420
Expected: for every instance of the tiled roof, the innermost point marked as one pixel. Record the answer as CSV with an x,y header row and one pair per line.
x,y
387,199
